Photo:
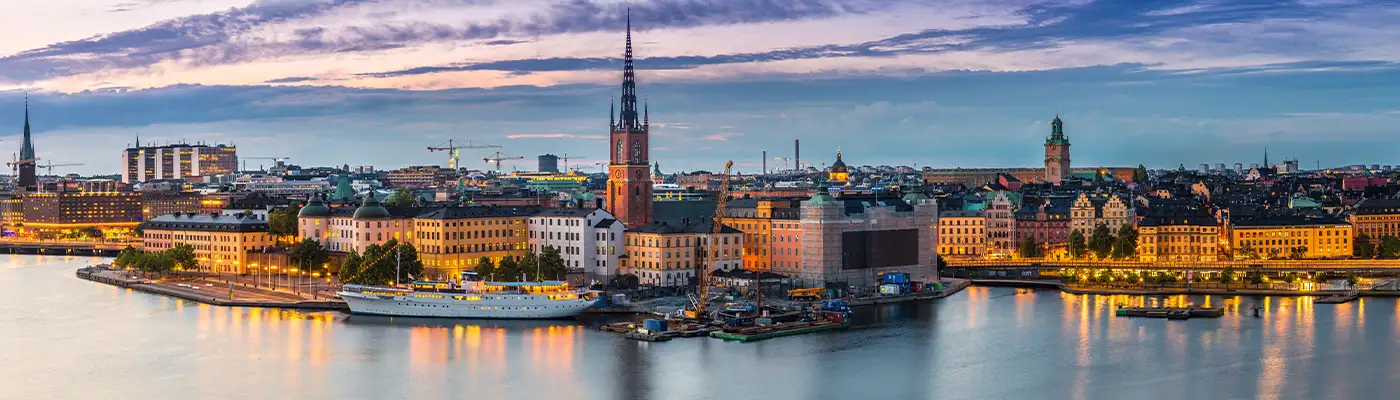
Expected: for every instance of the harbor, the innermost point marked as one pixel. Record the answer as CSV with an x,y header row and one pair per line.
x,y
208,292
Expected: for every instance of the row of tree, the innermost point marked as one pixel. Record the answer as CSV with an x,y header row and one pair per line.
x,y
1101,243
178,258
1388,247
382,264
547,266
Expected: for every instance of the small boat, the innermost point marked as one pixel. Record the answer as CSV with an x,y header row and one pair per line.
x,y
646,336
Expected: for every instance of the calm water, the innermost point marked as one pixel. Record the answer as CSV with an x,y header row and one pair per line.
x,y
61,337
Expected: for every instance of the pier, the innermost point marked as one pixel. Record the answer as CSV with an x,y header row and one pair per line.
x,y
199,290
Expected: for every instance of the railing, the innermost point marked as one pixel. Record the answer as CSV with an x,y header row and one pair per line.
x,y
1120,264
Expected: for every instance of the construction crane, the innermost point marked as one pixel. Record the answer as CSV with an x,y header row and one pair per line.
x,y
702,273
50,166
274,159
784,160
498,157
16,162
453,148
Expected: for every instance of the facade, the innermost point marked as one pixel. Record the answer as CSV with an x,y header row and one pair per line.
x,y
756,219
854,240
1377,218
1056,152
974,177
155,204
284,188
417,177
222,243
962,234
664,254
786,249
1001,225
1045,224
1090,211
1178,234
114,212
589,239
1276,237
453,239
177,161
629,183
343,230
549,163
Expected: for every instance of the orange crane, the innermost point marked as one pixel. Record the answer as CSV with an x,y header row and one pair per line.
x,y
453,147
498,157
16,162
703,268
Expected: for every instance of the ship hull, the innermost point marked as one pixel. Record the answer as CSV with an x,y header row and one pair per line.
x,y
479,307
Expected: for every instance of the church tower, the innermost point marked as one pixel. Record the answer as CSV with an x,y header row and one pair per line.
x,y
27,162
1056,152
629,184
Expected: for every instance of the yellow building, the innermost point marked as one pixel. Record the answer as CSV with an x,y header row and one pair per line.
x,y
962,234
453,239
839,173
663,254
222,243
1277,237
1377,218
755,219
1187,234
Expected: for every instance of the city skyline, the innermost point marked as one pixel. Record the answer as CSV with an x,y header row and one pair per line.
x,y
973,84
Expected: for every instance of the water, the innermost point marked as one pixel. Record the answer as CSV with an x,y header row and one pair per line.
x,y
62,337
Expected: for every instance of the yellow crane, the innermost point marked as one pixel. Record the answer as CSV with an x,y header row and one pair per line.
x,y
703,268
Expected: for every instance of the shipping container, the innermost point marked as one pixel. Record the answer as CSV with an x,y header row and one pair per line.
x,y
619,299
658,325
763,321
896,277
892,289
837,317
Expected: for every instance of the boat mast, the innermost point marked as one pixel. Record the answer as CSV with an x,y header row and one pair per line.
x,y
398,263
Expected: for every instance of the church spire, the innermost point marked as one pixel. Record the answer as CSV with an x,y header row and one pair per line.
x,y
26,150
646,114
612,114
629,83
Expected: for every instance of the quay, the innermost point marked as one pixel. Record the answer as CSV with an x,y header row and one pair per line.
x,y
213,294
64,247
951,286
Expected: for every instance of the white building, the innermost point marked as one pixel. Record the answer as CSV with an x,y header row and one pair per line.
x,y
589,239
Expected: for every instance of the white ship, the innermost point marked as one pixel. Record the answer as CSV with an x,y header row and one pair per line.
x,y
474,299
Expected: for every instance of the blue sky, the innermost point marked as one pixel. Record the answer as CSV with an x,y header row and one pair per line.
x,y
923,83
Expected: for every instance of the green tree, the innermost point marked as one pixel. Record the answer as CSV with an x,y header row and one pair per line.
x,y
393,262
1389,248
485,268
1101,241
1255,277
182,257
1227,275
1140,174
352,268
401,198
1320,277
1298,253
1077,247
508,270
1132,277
127,257
93,232
942,264
1027,248
552,264
1125,246
530,266
1246,252
309,255
283,222
1352,280
1363,247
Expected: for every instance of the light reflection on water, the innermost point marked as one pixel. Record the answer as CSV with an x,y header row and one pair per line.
x,y
983,343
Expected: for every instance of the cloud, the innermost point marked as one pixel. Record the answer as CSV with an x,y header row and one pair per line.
x,y
293,79
552,136
721,136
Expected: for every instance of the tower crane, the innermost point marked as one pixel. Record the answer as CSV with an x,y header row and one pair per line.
x,y
453,148
274,159
703,268
498,157
50,166
784,160
16,162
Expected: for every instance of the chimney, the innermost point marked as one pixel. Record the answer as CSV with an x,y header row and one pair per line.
x,y
796,154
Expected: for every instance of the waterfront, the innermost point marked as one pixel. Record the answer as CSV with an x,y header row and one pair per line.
x,y
68,338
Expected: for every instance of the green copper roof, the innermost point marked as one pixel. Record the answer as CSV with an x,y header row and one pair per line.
x,y
916,196
26,150
1057,132
314,208
821,198
343,191
371,209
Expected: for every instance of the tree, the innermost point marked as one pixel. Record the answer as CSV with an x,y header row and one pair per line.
x,y
1227,275
127,257
530,266
1246,252
1255,277
1125,246
309,255
1132,277
942,264
1389,248
182,257
1320,277
485,268
1298,253
1363,247
1101,241
1140,174
1352,280
508,270
401,198
552,264
93,232
1077,248
283,222
352,268
1028,248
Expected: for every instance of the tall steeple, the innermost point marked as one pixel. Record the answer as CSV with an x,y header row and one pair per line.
x,y
629,84
612,115
1266,153
26,150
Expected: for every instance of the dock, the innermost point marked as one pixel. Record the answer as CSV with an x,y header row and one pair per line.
x,y
1171,312
211,293
1338,298
755,333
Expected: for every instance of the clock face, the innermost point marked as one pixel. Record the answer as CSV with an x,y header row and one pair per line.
x,y
637,174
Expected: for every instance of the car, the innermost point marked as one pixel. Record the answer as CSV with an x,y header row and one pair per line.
x,y
183,285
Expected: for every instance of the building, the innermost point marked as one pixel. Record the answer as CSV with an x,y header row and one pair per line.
x,y
277,187
838,174
222,243
1046,224
26,163
549,163
589,239
962,234
1376,218
629,185
190,162
1178,233
345,230
756,219
1089,211
1001,225
155,204
115,213
1056,153
852,241
454,239
417,177
665,254
1278,237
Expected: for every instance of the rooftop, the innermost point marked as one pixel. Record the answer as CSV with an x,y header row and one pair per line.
x,y
207,223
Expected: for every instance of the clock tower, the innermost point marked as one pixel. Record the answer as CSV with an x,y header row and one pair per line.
x,y
1056,153
629,181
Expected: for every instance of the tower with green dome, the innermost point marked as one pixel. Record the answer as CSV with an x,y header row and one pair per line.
x,y
1056,152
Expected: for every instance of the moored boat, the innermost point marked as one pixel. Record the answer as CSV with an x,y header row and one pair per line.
x,y
473,299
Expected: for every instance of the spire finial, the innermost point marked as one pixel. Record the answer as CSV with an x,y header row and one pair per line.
x,y
646,113
629,83
612,113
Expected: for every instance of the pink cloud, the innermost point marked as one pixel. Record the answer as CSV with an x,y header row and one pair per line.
x,y
722,136
552,136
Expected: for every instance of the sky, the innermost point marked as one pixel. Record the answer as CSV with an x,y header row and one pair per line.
x,y
939,83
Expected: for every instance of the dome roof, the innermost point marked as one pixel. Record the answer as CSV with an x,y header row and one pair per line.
x,y
821,199
314,208
839,165
913,197
371,209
